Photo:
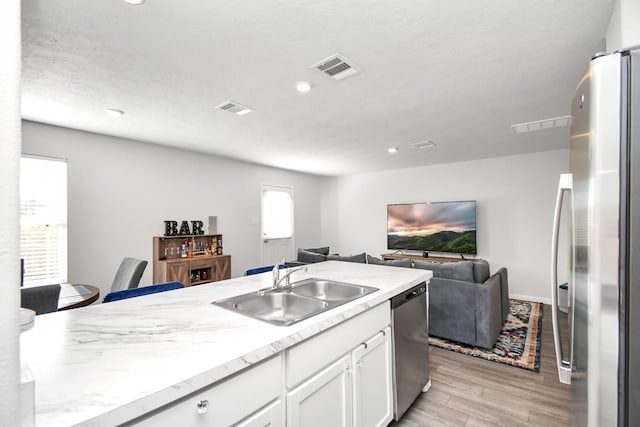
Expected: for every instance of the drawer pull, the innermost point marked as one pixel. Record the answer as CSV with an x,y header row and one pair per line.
x,y
203,406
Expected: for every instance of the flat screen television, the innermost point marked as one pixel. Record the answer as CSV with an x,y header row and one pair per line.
x,y
433,227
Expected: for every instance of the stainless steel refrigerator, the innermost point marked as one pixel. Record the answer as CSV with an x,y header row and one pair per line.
x,y
598,199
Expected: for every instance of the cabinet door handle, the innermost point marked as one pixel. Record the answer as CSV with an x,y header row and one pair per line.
x,y
203,406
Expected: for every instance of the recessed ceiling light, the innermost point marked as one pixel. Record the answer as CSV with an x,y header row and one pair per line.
x,y
114,112
392,150
303,86
134,2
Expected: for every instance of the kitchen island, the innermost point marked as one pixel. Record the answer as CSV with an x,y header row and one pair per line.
x,y
111,363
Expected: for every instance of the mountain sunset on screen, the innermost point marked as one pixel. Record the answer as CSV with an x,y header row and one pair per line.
x,y
441,227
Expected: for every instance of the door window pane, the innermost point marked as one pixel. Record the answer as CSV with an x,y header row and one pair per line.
x,y
277,212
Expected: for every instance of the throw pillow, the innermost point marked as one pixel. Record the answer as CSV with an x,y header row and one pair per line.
x,y
310,257
361,258
324,250
480,271
374,260
406,263
394,262
462,271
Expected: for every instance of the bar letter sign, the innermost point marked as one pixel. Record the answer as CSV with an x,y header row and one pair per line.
x,y
171,228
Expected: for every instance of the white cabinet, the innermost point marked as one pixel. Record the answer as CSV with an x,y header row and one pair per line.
x,y
355,389
324,399
340,377
227,402
372,388
270,416
309,357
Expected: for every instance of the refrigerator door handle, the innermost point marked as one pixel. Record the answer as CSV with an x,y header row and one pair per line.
x,y
564,365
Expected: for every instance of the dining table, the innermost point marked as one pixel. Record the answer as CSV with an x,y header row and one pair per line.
x,y
76,295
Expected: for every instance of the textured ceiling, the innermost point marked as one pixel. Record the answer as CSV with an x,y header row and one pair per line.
x,y
458,73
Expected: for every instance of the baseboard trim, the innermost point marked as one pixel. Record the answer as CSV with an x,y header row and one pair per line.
x,y
530,298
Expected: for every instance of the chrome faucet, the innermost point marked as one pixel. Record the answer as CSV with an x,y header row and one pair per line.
x,y
277,279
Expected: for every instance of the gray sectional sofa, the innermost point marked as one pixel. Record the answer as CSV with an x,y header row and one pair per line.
x,y
466,303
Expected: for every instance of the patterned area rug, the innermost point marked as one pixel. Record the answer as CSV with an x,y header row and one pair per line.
x,y
518,343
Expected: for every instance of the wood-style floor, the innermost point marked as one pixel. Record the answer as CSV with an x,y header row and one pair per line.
x,y
468,391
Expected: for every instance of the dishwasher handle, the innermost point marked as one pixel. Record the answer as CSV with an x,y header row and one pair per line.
x,y
408,295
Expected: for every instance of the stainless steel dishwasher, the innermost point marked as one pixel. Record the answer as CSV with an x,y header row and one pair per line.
x,y
410,347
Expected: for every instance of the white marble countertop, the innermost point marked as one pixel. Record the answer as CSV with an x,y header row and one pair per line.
x,y
105,364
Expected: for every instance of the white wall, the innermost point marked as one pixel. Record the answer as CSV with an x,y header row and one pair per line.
x,y
329,217
120,192
515,197
624,28
10,64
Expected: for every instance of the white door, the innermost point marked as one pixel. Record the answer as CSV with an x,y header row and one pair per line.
x,y
277,224
324,400
372,392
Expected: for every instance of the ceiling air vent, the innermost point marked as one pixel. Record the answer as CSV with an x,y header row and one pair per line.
x,y
337,67
554,122
234,107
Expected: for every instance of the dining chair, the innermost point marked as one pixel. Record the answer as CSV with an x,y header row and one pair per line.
x,y
129,274
41,299
145,290
259,270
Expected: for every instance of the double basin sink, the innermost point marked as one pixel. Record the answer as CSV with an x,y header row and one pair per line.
x,y
292,304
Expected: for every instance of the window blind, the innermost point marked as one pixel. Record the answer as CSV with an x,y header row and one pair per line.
x,y
43,220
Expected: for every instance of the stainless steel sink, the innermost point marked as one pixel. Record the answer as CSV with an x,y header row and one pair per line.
x,y
286,306
328,290
280,307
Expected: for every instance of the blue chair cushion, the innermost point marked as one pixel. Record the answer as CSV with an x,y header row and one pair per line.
x,y
145,290
259,270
